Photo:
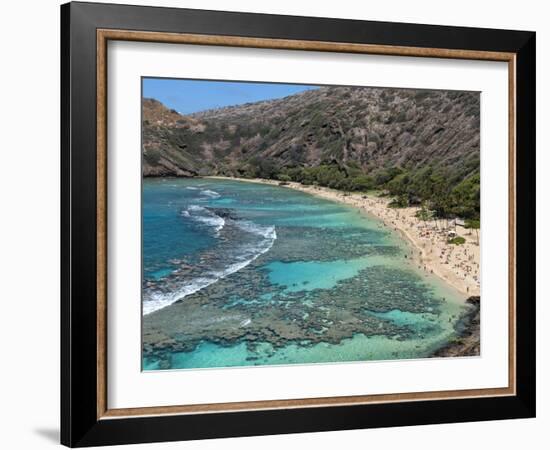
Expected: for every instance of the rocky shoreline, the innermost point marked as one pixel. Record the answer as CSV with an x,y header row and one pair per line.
x,y
468,341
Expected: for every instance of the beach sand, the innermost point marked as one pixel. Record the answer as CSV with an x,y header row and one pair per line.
x,y
458,265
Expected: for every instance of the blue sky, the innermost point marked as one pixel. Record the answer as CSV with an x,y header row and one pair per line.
x,y
188,96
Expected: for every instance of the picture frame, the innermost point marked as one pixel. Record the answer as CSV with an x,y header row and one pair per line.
x,y
86,29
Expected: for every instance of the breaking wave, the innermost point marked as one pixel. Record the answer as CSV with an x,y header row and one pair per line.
x,y
240,256
205,216
210,193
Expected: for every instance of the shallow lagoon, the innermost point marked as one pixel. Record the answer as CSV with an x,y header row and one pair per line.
x,y
237,273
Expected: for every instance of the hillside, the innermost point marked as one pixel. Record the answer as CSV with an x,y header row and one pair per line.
x,y
342,137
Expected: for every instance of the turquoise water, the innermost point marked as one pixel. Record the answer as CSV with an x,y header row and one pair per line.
x,y
237,273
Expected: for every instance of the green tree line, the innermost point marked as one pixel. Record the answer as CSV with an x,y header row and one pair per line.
x,y
443,193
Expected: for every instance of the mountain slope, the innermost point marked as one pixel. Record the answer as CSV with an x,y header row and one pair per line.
x,y
359,130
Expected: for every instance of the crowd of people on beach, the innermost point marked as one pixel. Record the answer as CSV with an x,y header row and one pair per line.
x,y
457,263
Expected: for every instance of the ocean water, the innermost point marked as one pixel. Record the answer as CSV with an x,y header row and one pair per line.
x,y
240,274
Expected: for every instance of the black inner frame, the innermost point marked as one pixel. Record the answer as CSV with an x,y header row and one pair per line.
x,y
79,423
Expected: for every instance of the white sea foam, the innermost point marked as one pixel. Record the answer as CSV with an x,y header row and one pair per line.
x,y
158,301
251,227
245,322
210,193
242,258
205,216
192,188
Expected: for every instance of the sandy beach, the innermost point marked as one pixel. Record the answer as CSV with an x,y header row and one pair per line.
x,y
458,265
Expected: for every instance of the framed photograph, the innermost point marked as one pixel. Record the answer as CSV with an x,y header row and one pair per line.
x,y
276,224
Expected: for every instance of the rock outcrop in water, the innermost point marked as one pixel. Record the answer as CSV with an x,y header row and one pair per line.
x,y
468,341
356,129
